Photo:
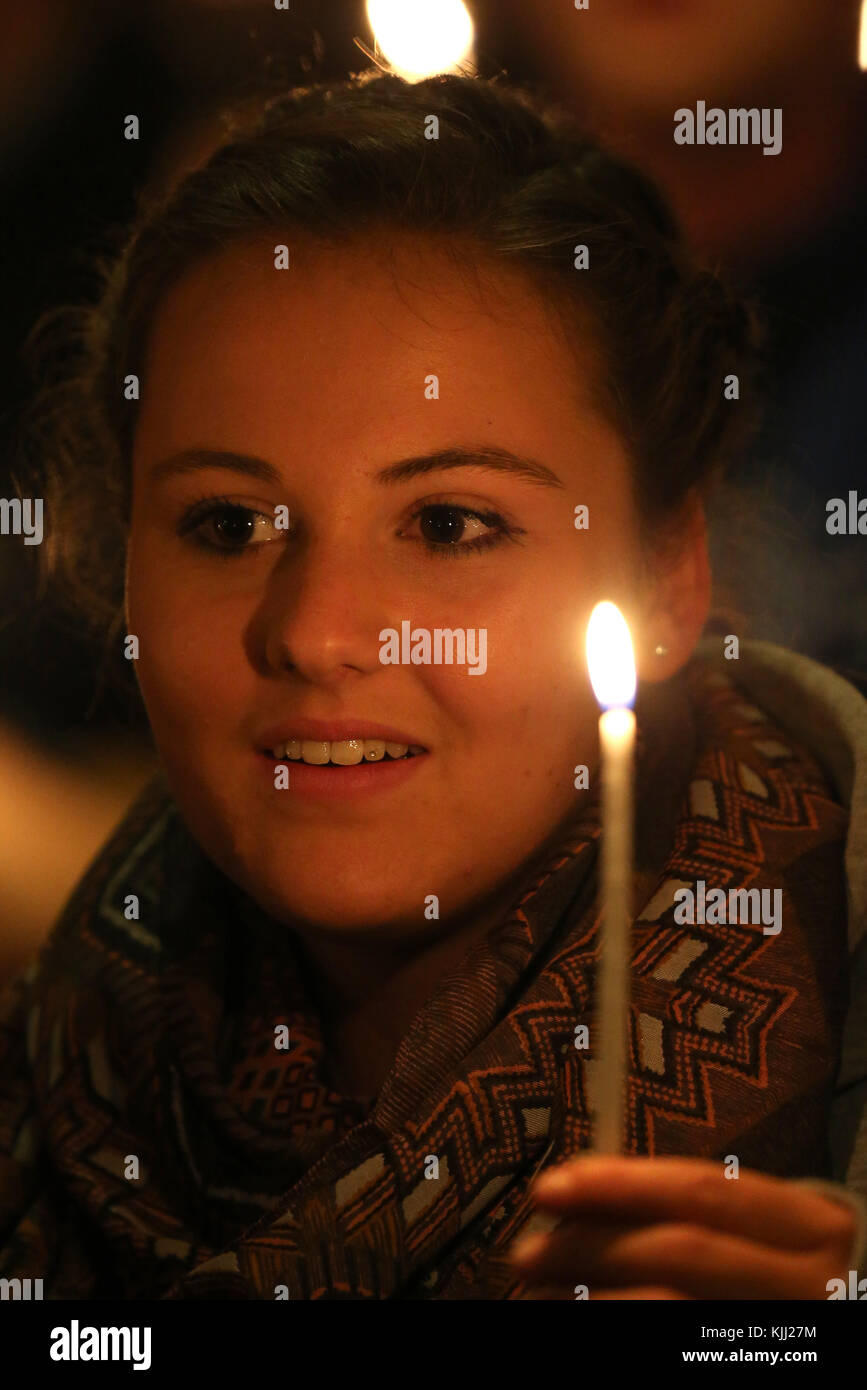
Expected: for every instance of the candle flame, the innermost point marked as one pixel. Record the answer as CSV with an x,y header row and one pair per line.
x,y
610,659
420,38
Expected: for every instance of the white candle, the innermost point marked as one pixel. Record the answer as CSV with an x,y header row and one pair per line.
x,y
612,674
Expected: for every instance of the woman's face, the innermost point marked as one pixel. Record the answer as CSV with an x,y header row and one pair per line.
x,y
324,373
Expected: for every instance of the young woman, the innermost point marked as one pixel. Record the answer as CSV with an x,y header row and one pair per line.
x,y
311,1025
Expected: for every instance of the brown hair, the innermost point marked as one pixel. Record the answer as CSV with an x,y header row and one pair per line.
x,y
513,177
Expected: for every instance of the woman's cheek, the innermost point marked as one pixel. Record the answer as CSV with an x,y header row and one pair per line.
x,y
185,667
525,720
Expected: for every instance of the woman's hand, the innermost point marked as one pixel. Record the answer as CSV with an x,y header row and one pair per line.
x,y
679,1228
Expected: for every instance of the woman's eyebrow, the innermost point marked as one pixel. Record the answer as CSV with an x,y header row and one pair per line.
x,y
193,460
493,460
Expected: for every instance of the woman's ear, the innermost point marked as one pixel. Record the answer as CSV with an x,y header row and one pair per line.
x,y
680,599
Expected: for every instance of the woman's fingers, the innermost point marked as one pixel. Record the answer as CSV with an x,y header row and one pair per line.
x,y
559,1293
548,1293
683,1256
770,1211
653,1293
680,1225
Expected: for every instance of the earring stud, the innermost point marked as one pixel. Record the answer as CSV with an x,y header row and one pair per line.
x,y
660,650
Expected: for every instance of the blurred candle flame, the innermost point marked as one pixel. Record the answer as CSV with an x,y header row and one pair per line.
x,y
610,658
420,38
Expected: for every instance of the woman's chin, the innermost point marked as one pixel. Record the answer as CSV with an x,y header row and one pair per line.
x,y
345,903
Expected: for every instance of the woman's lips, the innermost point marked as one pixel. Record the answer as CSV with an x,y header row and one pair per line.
x,y
328,781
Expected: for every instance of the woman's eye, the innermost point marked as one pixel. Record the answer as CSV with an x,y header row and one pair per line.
x,y
228,527
447,529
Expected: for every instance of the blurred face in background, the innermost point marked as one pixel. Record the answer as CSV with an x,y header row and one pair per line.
x,y
650,55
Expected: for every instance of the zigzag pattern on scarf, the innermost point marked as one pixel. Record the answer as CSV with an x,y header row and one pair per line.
x,y
154,1038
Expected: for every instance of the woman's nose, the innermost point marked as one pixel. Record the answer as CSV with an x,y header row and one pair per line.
x,y
323,612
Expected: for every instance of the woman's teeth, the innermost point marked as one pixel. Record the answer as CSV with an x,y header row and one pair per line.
x,y
345,753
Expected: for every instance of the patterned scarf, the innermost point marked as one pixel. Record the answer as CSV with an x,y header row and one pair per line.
x,y
154,1142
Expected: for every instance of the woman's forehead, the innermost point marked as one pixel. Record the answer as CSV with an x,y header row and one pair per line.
x,y
446,284
342,334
